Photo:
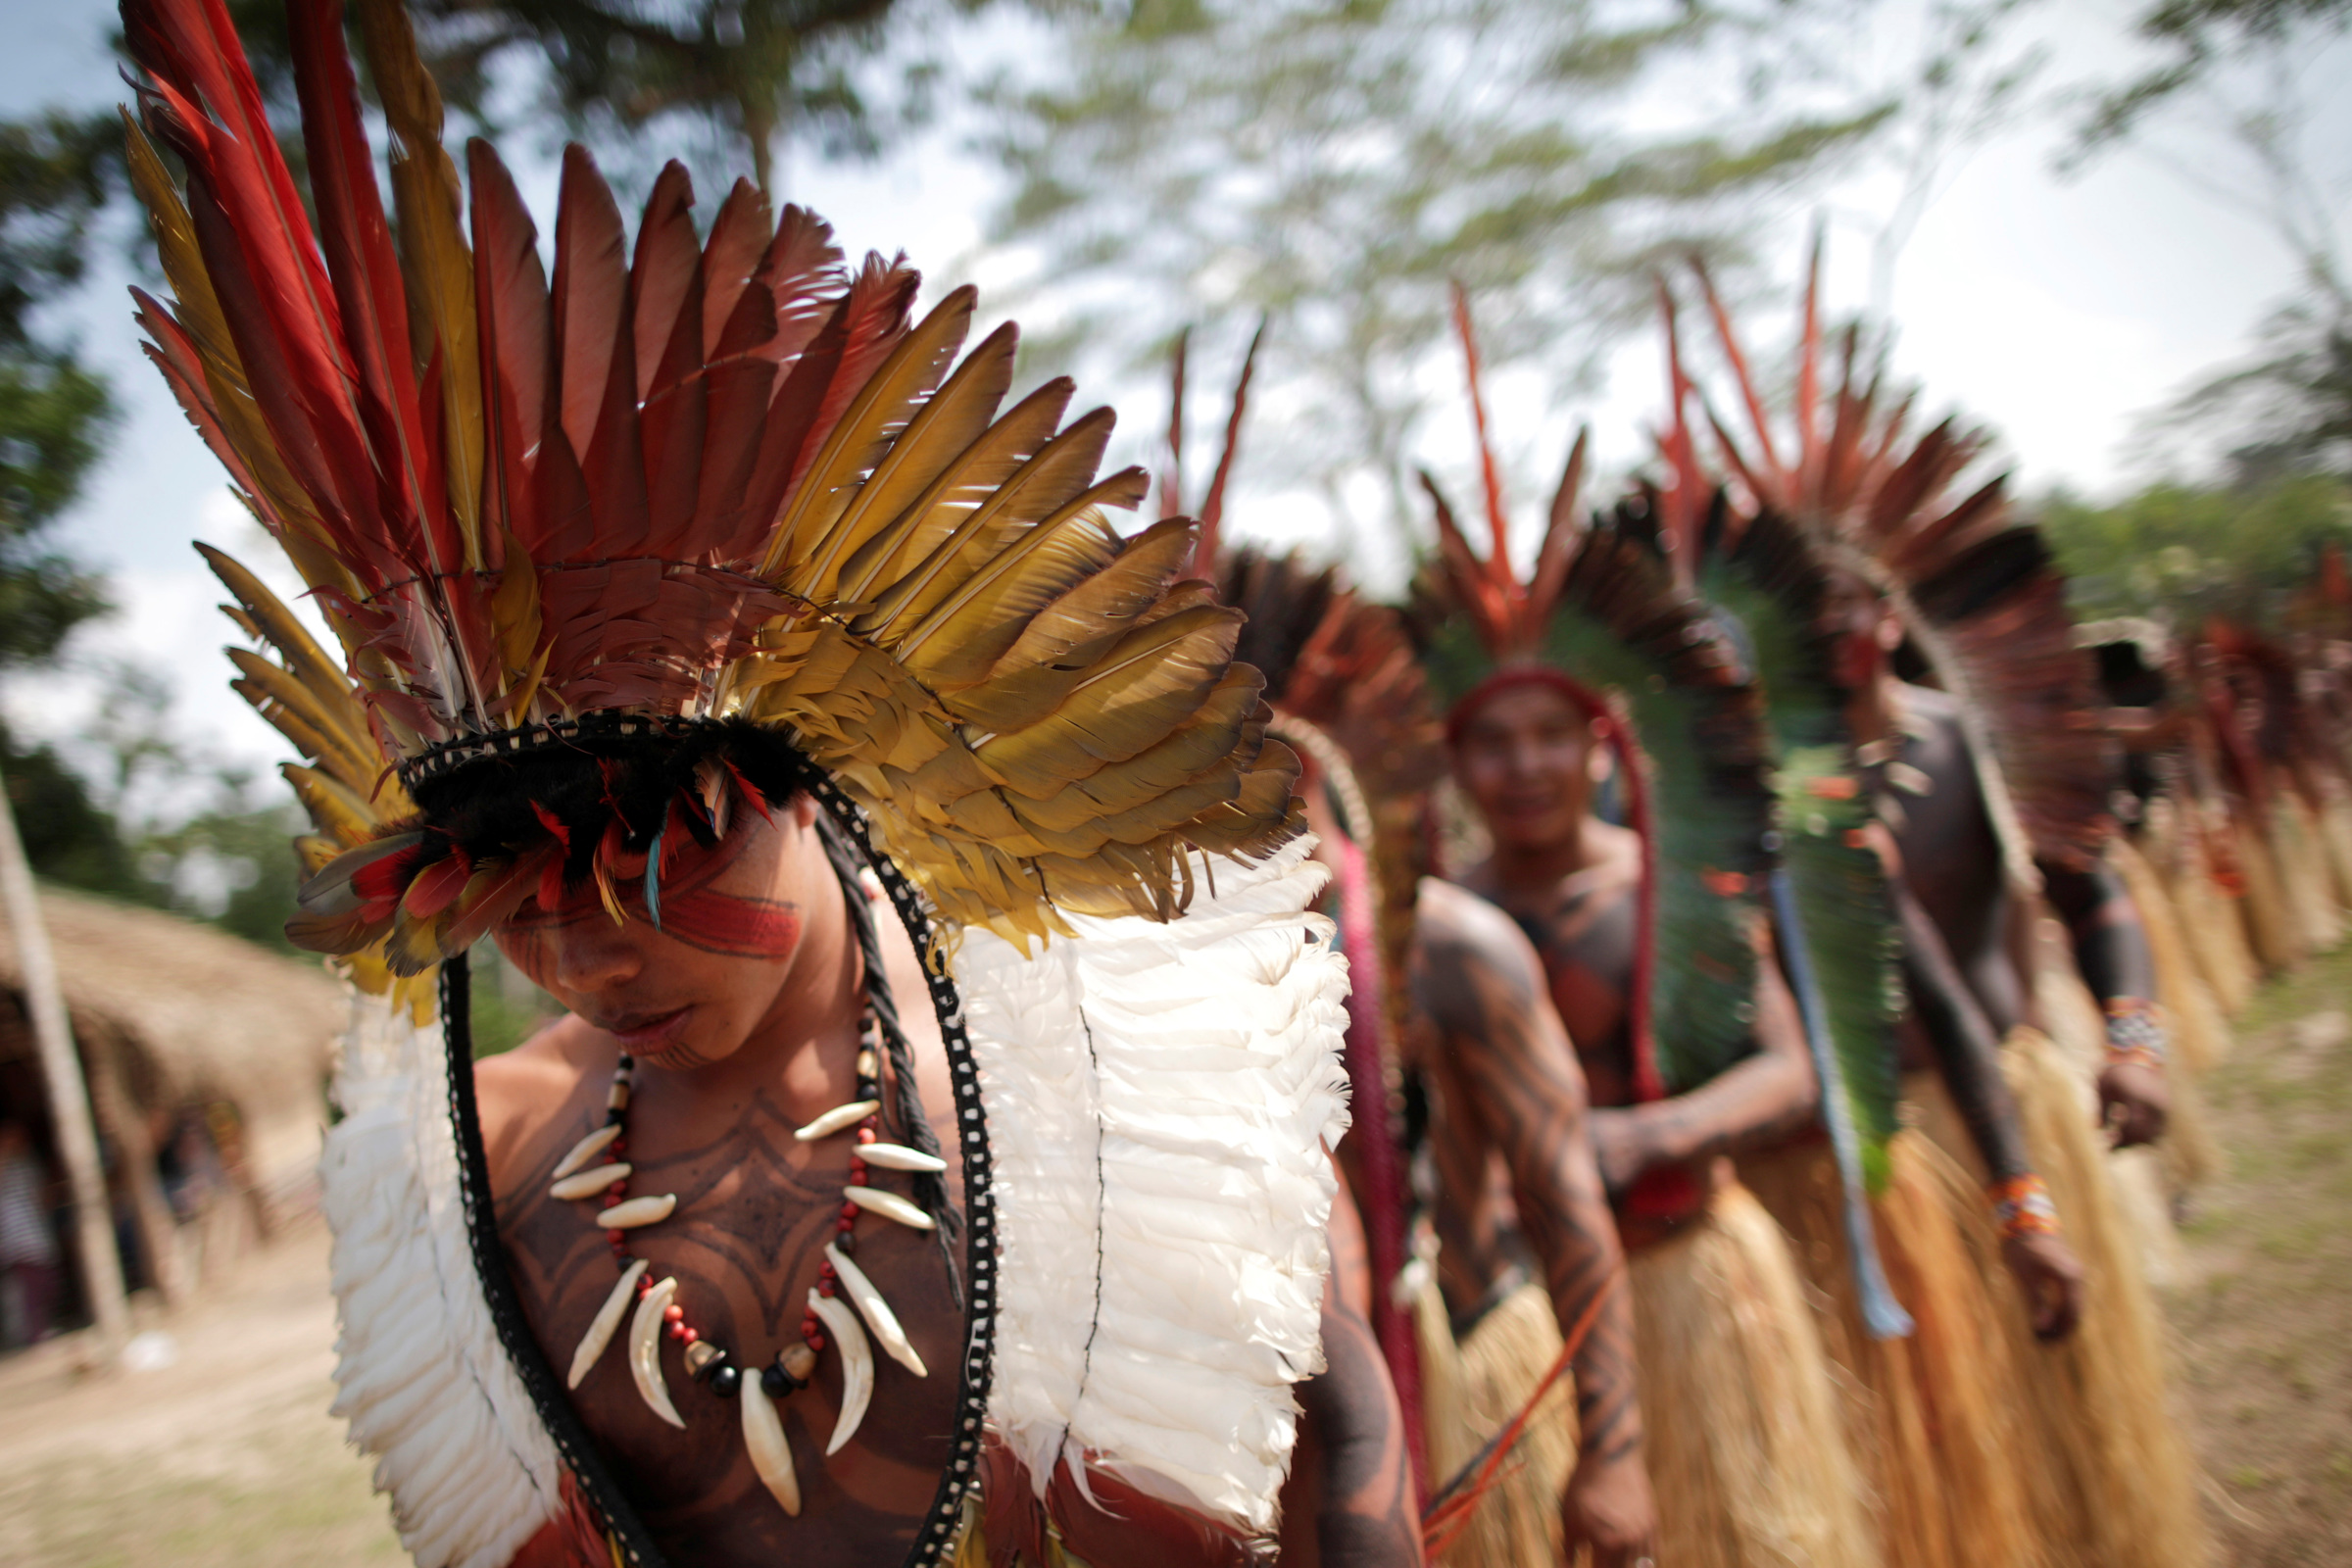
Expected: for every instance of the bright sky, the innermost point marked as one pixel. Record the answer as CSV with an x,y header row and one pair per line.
x,y
2055,310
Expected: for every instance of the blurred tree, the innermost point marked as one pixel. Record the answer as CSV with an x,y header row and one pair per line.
x,y
56,174
754,76
2182,553
2233,73
68,837
1331,164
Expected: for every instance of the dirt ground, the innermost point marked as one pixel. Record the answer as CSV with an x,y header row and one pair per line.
x,y
228,1457
2264,1322
224,1459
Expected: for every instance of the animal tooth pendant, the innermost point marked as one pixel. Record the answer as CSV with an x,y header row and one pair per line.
x,y
771,1454
856,1365
600,1329
834,1120
890,1205
641,1211
589,1183
897,1157
645,1350
879,1318
586,1150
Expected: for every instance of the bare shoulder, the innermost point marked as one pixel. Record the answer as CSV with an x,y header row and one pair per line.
x,y
522,1092
1459,934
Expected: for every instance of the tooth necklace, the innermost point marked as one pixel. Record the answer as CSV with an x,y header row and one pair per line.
x,y
660,1315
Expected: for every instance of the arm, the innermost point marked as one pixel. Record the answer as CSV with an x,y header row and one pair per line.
x,y
1765,1099
1969,1055
1351,1493
1479,981
1353,1431
2111,949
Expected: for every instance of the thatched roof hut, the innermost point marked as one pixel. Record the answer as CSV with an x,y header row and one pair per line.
x,y
172,1017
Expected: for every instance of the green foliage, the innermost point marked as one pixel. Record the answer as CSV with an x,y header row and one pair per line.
x,y
53,417
68,837
2182,551
1332,164
739,77
2196,37
56,174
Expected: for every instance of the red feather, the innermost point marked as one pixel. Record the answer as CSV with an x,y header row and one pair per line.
x,y
666,261
802,271
588,298
510,313
1212,506
738,243
369,291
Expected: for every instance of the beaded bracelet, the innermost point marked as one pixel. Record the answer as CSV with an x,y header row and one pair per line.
x,y
2021,1206
2136,1036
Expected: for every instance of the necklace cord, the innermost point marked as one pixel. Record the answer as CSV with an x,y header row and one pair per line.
x,y
913,1128
562,1422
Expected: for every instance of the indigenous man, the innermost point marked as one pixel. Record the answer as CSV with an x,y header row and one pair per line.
x,y
691,604
1743,1446
1494,1069
1976,807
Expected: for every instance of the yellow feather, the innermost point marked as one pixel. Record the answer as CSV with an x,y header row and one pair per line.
x,y
984,465
340,813
1155,680
275,625
1058,473
963,637
1108,600
1209,738
941,431
433,256
887,401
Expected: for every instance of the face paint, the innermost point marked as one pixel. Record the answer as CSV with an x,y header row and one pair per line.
x,y
694,911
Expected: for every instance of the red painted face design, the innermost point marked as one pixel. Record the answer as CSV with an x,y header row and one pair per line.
x,y
694,909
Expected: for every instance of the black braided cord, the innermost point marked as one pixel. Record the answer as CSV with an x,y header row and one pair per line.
x,y
978,1224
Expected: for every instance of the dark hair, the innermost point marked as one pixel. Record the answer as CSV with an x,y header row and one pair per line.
x,y
599,776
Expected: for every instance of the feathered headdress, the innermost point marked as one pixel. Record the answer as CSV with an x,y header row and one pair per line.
x,y
1833,904
1602,618
715,503
1350,696
1976,585
673,482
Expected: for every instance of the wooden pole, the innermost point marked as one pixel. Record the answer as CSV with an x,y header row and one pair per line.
x,y
69,1096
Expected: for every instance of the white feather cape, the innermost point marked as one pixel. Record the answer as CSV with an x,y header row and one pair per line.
x,y
1159,1099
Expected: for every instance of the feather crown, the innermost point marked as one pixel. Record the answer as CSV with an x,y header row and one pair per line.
x,y
674,482
1602,618
1974,582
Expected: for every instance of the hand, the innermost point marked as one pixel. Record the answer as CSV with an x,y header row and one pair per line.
x,y
1608,1507
1620,1152
2050,1278
2135,1104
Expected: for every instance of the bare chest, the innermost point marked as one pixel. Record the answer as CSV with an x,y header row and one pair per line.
x,y
744,1244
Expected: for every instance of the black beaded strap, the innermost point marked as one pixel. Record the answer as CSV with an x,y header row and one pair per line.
x,y
563,1424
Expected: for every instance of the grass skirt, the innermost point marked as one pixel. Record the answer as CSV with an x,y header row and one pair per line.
x,y
1935,1420
1747,1450
2303,869
2108,1461
2272,929
2211,920
2199,1030
1469,1391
